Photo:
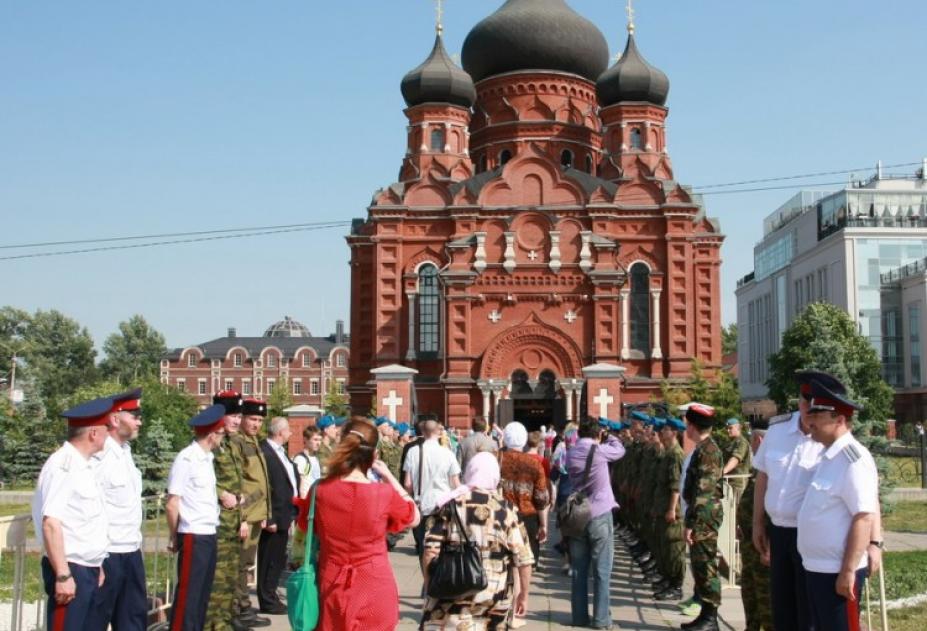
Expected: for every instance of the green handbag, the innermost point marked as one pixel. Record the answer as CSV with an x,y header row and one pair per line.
x,y
302,590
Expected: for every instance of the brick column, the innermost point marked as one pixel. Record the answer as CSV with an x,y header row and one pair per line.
x,y
395,392
603,390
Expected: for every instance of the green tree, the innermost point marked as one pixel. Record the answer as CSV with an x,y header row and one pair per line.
x,y
154,455
27,437
133,353
729,339
280,398
723,394
165,408
335,403
824,338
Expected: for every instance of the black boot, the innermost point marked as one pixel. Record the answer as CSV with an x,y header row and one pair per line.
x,y
707,620
237,625
671,592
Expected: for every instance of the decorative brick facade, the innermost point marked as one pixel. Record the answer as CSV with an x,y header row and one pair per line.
x,y
566,254
251,365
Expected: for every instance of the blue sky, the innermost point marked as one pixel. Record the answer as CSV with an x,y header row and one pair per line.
x,y
145,117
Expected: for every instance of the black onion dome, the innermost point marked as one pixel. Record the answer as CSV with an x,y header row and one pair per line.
x,y
438,80
632,79
535,35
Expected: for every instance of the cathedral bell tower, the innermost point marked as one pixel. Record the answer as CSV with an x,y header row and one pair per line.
x,y
439,95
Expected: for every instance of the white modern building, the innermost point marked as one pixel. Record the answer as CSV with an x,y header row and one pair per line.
x,y
863,249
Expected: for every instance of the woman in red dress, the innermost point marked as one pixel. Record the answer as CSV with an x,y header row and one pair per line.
x,y
357,588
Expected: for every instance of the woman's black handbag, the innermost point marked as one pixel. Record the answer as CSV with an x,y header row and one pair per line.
x,y
457,572
576,512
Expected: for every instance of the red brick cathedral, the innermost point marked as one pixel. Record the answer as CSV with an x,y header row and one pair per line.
x,y
537,259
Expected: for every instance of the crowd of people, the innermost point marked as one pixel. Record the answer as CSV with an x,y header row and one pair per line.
x,y
805,489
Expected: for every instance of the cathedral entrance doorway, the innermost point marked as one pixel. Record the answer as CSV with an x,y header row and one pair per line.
x,y
533,402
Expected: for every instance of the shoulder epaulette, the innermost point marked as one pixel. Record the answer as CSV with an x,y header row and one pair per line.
x,y
782,418
852,453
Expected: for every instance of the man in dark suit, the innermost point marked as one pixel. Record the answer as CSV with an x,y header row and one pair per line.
x,y
283,488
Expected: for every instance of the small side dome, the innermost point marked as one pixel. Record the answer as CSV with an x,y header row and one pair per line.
x,y
632,79
287,327
438,80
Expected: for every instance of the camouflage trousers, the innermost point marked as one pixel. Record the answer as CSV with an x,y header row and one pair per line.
x,y
703,554
672,556
754,588
248,556
222,597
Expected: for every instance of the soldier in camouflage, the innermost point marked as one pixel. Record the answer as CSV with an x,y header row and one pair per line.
x,y
704,513
754,572
738,459
669,520
650,473
329,441
220,614
255,505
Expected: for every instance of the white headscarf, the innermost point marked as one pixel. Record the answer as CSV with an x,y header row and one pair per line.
x,y
482,473
515,436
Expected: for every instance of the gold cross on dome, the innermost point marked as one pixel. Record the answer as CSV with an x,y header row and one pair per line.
x,y
630,10
439,16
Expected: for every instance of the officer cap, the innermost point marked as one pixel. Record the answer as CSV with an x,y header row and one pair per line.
x,y
230,399
127,401
732,421
805,377
700,415
209,420
253,407
89,413
824,399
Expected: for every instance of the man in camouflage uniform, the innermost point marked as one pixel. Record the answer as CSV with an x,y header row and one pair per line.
x,y
650,473
704,512
220,615
329,441
738,459
390,453
669,519
255,506
754,572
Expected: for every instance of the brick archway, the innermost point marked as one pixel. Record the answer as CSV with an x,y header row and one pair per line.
x,y
532,346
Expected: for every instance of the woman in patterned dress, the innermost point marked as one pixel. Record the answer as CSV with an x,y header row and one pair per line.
x,y
491,522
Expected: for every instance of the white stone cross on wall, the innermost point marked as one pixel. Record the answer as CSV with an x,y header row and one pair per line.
x,y
604,399
392,402
570,316
495,316
533,255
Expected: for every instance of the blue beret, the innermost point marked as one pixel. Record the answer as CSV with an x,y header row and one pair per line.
x,y
341,420
637,415
603,422
732,421
208,417
380,420
615,426
325,421
659,423
677,424
89,413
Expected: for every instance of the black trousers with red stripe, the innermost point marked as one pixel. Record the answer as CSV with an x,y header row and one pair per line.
x,y
74,615
829,610
196,569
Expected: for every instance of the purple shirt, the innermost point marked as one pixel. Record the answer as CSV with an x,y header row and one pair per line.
x,y
599,486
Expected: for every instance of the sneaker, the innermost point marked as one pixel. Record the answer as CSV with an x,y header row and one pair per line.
x,y
692,609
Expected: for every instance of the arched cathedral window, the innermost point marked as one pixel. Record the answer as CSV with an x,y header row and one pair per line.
x,y
504,157
566,158
429,310
640,308
636,140
438,140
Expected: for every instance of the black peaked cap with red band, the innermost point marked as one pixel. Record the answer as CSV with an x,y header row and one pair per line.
x,y
127,401
90,413
209,420
824,399
804,378
230,399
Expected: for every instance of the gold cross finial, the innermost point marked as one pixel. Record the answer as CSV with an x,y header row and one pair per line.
x,y
630,9
439,16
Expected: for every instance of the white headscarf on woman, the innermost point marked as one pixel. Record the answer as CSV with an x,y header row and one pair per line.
x,y
515,436
482,473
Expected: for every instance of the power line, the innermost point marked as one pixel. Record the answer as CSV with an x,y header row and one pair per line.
x,y
170,235
110,248
768,188
806,175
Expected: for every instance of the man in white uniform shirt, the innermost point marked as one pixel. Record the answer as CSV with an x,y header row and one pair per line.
x,y
192,517
122,601
429,471
785,464
839,514
70,521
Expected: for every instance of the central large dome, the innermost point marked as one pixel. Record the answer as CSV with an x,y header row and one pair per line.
x,y
535,35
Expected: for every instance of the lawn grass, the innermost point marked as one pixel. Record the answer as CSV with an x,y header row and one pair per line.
x,y
905,574
906,517
15,509
904,471
910,619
